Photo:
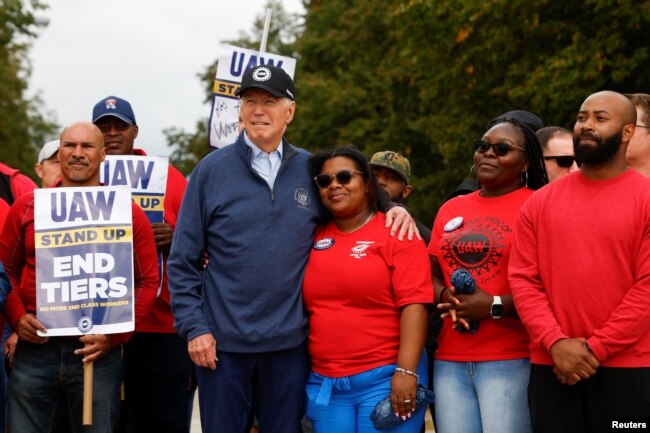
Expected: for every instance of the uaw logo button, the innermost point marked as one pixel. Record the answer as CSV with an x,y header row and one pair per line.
x,y
262,74
85,324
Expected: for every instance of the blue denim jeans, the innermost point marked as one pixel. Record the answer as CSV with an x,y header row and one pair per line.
x,y
347,409
43,374
488,397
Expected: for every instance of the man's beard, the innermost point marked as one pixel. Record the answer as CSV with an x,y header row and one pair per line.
x,y
603,152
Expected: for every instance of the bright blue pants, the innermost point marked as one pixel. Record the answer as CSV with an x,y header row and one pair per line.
x,y
343,405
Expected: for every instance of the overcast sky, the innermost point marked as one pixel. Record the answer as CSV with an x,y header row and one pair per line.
x,y
148,52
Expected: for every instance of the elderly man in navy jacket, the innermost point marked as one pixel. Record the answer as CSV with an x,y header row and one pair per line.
x,y
253,208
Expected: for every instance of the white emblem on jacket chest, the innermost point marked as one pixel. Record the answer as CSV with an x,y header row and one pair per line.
x,y
302,197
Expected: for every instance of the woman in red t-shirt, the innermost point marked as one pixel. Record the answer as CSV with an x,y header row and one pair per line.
x,y
365,293
482,362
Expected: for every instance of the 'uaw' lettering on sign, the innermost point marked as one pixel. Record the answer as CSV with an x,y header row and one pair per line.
x,y
135,174
236,67
84,206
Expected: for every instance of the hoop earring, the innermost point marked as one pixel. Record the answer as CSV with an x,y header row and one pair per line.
x,y
472,171
524,179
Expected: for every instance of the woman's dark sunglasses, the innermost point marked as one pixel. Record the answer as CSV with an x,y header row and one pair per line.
x,y
343,177
564,161
499,149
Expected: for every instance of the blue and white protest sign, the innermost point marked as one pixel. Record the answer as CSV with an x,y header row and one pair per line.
x,y
147,178
84,260
145,175
231,63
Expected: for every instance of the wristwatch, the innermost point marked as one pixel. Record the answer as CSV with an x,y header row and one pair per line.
x,y
497,308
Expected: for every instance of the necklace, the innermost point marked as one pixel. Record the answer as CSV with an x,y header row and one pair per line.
x,y
372,214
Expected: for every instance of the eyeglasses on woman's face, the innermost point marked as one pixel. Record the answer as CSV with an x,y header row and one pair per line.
x,y
499,149
343,177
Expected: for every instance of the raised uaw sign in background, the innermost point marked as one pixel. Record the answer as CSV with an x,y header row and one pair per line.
x,y
231,63
145,175
147,178
84,260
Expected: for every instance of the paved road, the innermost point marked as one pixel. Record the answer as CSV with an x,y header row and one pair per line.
x,y
196,421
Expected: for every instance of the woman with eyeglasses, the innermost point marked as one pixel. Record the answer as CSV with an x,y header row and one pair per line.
x,y
366,294
482,363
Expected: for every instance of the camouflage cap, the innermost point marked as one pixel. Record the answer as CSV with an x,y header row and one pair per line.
x,y
394,161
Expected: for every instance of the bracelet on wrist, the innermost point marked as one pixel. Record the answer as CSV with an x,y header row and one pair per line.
x,y
442,294
404,371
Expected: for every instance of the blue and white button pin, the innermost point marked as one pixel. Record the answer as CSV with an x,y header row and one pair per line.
x,y
323,244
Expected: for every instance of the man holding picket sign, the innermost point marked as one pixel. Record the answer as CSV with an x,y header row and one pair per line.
x,y
81,275
157,367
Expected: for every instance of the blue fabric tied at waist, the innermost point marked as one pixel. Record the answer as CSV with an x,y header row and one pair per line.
x,y
325,391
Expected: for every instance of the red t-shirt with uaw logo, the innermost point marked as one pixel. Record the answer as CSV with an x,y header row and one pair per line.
x,y
355,284
475,233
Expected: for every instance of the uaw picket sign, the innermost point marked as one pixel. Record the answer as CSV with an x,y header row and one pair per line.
x,y
145,175
147,178
84,260
231,63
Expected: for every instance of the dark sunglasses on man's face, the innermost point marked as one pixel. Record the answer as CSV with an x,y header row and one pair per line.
x,y
343,177
119,126
499,149
564,161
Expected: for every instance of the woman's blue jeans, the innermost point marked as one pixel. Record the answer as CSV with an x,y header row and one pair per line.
x,y
346,406
487,397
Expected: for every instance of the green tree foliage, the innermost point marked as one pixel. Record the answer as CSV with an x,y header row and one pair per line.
x,y
190,147
423,77
23,127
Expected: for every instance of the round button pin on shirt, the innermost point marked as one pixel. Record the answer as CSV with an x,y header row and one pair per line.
x,y
453,224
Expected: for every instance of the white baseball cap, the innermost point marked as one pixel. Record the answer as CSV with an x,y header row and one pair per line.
x,y
49,149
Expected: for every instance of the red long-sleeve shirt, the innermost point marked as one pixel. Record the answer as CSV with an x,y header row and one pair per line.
x,y
18,182
160,318
17,252
580,267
